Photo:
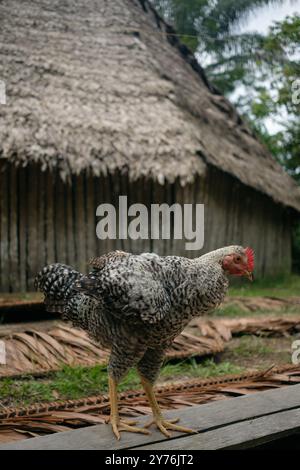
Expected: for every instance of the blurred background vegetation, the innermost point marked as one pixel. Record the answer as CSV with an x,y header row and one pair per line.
x,y
259,73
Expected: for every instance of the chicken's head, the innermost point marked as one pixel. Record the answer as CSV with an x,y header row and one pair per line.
x,y
239,263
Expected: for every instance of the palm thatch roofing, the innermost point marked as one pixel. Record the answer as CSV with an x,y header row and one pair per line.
x,y
104,85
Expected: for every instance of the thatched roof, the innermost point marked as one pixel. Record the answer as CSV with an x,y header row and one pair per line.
x,y
98,84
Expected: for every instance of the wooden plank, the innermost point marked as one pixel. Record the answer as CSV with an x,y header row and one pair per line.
x,y
90,217
128,189
70,224
1,214
13,233
80,223
145,198
188,197
4,234
60,221
108,192
203,418
115,190
199,198
49,216
244,435
32,228
158,197
99,197
138,192
41,221
169,243
210,211
23,221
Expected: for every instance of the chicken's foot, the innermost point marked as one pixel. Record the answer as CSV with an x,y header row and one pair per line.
x,y
158,419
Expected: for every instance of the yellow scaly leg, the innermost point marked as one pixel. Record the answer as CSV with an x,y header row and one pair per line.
x,y
116,422
158,419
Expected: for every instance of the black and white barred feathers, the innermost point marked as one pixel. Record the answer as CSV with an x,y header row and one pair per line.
x,y
136,305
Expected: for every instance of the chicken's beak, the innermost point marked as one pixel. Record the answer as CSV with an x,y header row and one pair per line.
x,y
249,275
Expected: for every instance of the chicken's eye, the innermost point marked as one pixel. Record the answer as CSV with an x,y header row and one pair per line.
x,y
238,259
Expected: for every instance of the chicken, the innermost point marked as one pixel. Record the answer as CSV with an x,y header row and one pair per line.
x,y
136,305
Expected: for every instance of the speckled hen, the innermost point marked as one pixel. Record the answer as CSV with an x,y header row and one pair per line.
x,y
136,305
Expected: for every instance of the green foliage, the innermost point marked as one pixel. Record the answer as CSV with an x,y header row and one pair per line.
x,y
264,65
206,26
280,69
211,21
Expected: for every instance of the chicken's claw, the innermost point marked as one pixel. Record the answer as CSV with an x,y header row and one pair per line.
x,y
163,425
125,425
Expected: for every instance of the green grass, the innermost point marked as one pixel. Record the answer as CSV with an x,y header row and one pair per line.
x,y
191,368
236,311
250,346
76,382
232,311
284,286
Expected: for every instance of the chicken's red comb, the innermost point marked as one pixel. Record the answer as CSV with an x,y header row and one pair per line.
x,y
250,255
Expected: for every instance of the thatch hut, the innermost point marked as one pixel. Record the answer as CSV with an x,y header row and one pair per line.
x,y
103,100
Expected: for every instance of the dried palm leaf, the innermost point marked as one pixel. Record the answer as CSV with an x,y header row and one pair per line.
x,y
34,351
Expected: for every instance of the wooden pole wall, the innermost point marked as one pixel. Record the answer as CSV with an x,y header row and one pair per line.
x,y
44,220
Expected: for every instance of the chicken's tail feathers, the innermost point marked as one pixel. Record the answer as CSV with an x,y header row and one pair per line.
x,y
56,281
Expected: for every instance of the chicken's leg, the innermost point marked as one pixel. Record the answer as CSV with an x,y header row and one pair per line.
x,y
158,419
116,422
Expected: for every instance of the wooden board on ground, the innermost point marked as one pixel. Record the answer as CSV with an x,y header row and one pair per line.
x,y
245,435
241,422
